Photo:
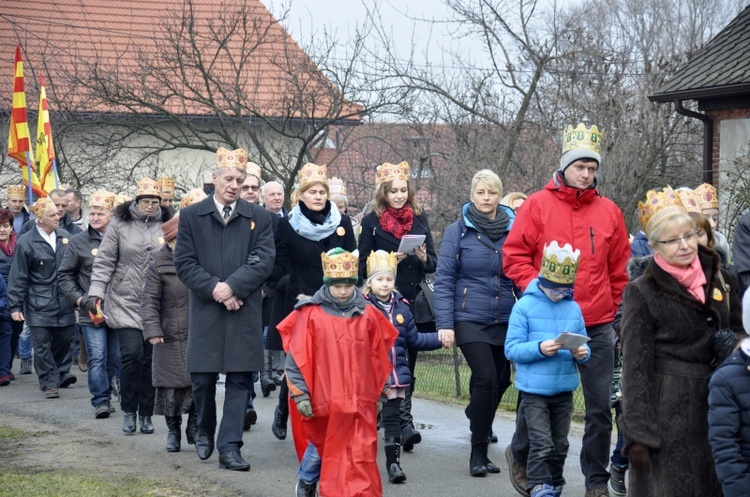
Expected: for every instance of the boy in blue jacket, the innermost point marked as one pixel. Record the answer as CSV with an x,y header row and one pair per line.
x,y
546,373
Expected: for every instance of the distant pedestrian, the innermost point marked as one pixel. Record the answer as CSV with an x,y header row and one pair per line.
x,y
8,241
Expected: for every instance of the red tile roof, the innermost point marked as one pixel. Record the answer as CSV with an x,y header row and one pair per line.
x,y
134,43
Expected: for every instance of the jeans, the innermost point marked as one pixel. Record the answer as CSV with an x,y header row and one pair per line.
x,y
104,355
24,343
548,419
136,387
6,336
52,357
309,467
618,459
596,380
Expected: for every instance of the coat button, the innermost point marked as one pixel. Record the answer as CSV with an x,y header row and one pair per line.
x,y
497,298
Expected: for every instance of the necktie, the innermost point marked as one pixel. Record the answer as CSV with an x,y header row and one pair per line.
x,y
227,212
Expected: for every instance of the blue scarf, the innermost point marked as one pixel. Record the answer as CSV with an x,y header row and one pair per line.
x,y
315,232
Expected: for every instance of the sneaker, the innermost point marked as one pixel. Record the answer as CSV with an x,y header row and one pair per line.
x,y
306,489
517,473
543,491
51,393
617,480
598,491
101,411
557,490
25,366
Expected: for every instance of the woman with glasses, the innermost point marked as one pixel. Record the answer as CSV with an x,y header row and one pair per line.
x,y
678,320
474,298
132,238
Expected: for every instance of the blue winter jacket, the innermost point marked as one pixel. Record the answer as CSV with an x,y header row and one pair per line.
x,y
470,285
536,318
639,246
408,337
729,423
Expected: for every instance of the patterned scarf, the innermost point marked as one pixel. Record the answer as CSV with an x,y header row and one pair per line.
x,y
9,247
397,222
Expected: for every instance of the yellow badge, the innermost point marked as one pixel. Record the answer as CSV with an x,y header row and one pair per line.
x,y
400,319
340,231
718,296
65,241
94,252
160,240
252,225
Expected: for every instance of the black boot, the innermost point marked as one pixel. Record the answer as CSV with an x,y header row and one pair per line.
x,y
147,426
267,384
393,460
478,461
191,430
280,417
173,437
128,423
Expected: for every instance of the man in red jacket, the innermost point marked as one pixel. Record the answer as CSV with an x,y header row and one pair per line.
x,y
571,210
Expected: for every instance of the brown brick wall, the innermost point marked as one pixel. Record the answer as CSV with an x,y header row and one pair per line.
x,y
718,116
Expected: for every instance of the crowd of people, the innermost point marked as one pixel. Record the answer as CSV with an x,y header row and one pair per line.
x,y
155,302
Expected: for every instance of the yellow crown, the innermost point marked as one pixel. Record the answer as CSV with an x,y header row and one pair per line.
x,y
689,201
194,196
560,264
102,198
337,185
231,158
581,143
388,172
312,173
707,196
254,169
16,192
380,261
167,187
657,207
147,186
342,265
42,206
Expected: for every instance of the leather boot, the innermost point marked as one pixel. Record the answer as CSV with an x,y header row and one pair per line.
x,y
393,460
173,437
191,430
128,423
280,417
478,461
267,384
147,426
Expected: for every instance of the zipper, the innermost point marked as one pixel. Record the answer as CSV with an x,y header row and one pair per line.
x,y
591,230
463,305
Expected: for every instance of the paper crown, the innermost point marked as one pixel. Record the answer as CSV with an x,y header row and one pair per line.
x,y
102,198
147,186
231,158
339,264
388,172
16,192
254,169
560,264
42,206
380,261
581,143
689,200
337,185
167,187
311,173
707,196
121,199
657,207
193,197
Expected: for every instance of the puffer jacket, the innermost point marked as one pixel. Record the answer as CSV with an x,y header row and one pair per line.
x,y
589,222
74,275
165,311
120,266
729,423
32,286
536,318
408,338
639,246
470,285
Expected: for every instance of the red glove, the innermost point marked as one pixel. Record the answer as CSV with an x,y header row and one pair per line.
x,y
639,457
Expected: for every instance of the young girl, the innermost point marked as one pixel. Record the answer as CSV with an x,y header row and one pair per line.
x,y
379,292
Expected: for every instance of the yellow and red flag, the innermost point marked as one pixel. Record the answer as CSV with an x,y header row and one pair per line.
x,y
19,141
45,150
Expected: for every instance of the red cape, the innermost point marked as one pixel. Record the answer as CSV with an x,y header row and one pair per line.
x,y
345,364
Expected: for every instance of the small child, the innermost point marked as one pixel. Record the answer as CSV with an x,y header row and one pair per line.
x,y
336,366
379,292
546,374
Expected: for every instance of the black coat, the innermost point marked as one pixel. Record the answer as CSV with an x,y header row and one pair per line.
x,y
411,271
241,254
5,262
33,286
74,275
164,313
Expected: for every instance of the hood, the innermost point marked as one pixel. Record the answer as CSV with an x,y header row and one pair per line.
x,y
570,194
637,266
128,212
469,224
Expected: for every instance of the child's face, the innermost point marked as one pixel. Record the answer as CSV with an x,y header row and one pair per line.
x,y
556,294
382,285
341,291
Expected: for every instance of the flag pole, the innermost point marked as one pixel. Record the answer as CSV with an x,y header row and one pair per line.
x,y
30,179
57,176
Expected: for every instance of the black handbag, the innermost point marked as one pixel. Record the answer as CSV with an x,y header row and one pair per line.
x,y
424,303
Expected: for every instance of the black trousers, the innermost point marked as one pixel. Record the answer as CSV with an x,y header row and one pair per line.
x,y
136,388
548,419
17,327
237,391
392,418
490,378
52,357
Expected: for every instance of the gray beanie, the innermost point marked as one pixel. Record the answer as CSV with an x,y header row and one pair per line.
x,y
571,156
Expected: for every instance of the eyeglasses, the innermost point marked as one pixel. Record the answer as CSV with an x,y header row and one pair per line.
x,y
675,242
149,203
564,292
253,188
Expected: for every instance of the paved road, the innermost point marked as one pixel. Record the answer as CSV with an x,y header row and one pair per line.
x,y
437,467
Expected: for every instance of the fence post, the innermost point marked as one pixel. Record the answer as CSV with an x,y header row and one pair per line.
x,y
456,371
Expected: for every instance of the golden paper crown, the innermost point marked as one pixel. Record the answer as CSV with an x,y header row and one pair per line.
x,y
342,265
657,207
581,143
147,186
312,173
231,158
707,196
380,261
337,185
388,172
193,197
254,169
560,264
167,187
689,200
102,198
42,206
16,192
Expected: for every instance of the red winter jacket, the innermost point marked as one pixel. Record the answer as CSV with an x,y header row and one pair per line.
x,y
588,222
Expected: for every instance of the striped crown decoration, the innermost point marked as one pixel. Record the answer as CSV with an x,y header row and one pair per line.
x,y
560,264
708,198
657,207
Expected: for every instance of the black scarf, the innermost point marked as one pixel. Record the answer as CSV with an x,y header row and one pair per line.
x,y
318,217
493,228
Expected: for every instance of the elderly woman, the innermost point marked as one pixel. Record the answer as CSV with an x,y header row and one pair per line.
x,y
474,298
673,319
